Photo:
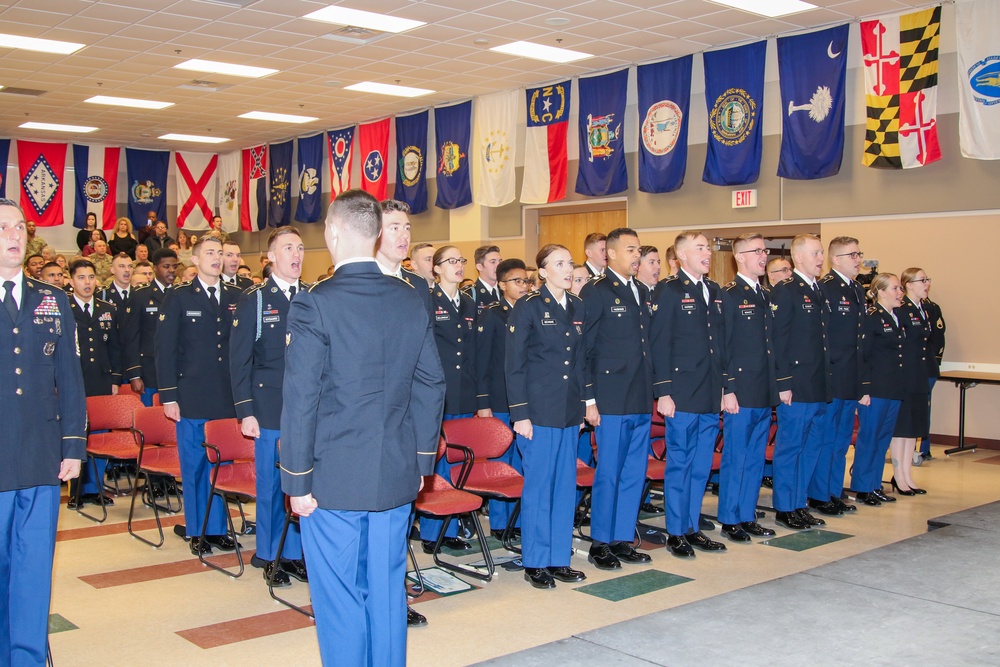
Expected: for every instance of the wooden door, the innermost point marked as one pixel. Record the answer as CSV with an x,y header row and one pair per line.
x,y
723,266
570,229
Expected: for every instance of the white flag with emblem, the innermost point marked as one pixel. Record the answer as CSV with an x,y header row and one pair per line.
x,y
494,145
229,197
979,78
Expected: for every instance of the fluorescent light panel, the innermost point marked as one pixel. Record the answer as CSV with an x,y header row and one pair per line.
x,y
36,44
388,89
361,19
534,51
769,8
128,102
213,67
195,138
277,117
55,127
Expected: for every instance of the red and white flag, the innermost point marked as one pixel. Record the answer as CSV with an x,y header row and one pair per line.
x,y
42,168
373,142
253,189
545,161
96,174
196,189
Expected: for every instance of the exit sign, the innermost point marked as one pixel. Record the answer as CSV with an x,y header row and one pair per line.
x,y
745,198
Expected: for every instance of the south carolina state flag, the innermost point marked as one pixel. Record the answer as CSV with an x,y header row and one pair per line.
x,y
42,169
95,170
253,190
197,189
373,142
734,93
545,162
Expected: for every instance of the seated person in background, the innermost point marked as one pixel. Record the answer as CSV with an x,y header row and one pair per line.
x,y
88,249
52,273
33,266
188,274
142,273
244,272
141,253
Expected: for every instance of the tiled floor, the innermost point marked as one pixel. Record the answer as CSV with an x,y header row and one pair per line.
x,y
115,597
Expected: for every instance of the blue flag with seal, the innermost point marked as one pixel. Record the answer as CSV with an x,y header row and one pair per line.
x,y
147,183
734,94
812,75
279,205
411,149
310,206
4,155
602,145
664,102
453,130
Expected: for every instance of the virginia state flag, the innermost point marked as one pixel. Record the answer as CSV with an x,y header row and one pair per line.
x,y
545,161
339,145
453,129
411,150
280,177
664,102
253,189
812,71
42,169
95,170
373,143
4,156
147,183
310,183
197,189
734,94
602,142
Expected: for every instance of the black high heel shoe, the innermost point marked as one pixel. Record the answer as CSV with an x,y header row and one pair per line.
x,y
907,492
919,492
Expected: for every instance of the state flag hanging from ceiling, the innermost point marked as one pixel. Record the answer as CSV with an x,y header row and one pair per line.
x,y
339,144
602,170
42,168
373,145
280,177
978,78
229,191
734,94
411,151
664,101
812,71
147,183
545,161
95,171
4,156
253,189
495,131
310,206
900,55
197,189
453,131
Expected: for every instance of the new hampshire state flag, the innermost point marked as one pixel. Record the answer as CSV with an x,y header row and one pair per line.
x,y
602,144
664,102
411,152
453,130
734,94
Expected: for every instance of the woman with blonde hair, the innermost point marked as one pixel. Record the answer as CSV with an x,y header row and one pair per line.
x,y
123,240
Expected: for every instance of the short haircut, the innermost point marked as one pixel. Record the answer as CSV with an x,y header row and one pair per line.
x,y
49,265
162,254
840,243
616,234
543,254
774,260
227,241
646,249
741,241
390,205
122,255
141,264
358,212
508,265
799,241
81,264
592,238
266,272
480,255
278,233
684,237
420,246
31,257
196,248
242,266
11,202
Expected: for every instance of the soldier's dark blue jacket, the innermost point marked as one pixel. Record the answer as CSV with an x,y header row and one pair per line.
x,y
455,335
800,342
882,354
100,348
491,352
137,329
477,292
847,309
749,365
919,363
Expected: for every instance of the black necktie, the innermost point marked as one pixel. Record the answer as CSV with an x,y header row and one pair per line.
x,y
124,295
291,292
8,300
86,310
211,296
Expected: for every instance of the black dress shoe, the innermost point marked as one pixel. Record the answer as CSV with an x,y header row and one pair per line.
x,y
258,562
71,504
414,619
868,498
650,508
704,524
280,580
882,496
842,506
199,545
567,574
809,518
539,577
515,534
679,546
603,558
700,541
221,542
295,569
790,520
453,543
757,530
95,499
767,482
180,531
627,553
825,508
735,533
652,535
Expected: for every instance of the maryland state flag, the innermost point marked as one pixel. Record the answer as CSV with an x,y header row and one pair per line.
x,y
901,75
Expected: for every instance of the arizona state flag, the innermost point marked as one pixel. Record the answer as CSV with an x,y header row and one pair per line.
x,y
42,170
900,56
373,140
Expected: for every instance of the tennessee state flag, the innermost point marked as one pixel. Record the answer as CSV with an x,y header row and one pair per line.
x,y
373,142
253,193
545,162
42,168
95,169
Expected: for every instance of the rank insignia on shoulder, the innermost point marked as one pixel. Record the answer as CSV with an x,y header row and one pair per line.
x,y
774,307
288,339
163,316
512,328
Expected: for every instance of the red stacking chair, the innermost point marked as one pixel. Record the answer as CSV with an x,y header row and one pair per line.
x,y
112,414
584,483
233,477
158,463
772,434
441,500
473,442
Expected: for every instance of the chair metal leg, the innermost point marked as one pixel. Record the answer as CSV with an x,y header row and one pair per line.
x,y
507,538
156,513
458,567
100,494
580,514
231,532
277,558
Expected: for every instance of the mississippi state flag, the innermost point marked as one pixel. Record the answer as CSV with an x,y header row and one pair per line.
x,y
545,144
96,174
253,193
373,140
339,145
197,189
42,169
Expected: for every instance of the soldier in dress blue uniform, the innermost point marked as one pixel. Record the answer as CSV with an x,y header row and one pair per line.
x,y
232,258
355,443
42,443
491,352
118,289
620,399
688,355
485,291
804,384
882,383
751,391
545,365
934,316
845,300
192,366
138,326
257,368
595,250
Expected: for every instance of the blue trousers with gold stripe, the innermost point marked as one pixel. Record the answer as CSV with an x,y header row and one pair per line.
x,y
549,495
271,501
796,450
196,477
742,463
622,456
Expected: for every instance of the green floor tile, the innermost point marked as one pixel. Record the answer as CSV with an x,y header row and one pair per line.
x,y
59,624
631,585
806,539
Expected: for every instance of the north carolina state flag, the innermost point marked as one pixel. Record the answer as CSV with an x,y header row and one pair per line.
x,y
42,168
545,161
197,189
253,190
373,142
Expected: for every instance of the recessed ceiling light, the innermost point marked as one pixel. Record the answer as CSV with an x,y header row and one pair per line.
x,y
194,138
388,89
550,54
128,102
482,41
55,127
769,8
361,19
213,67
277,117
35,44
557,21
